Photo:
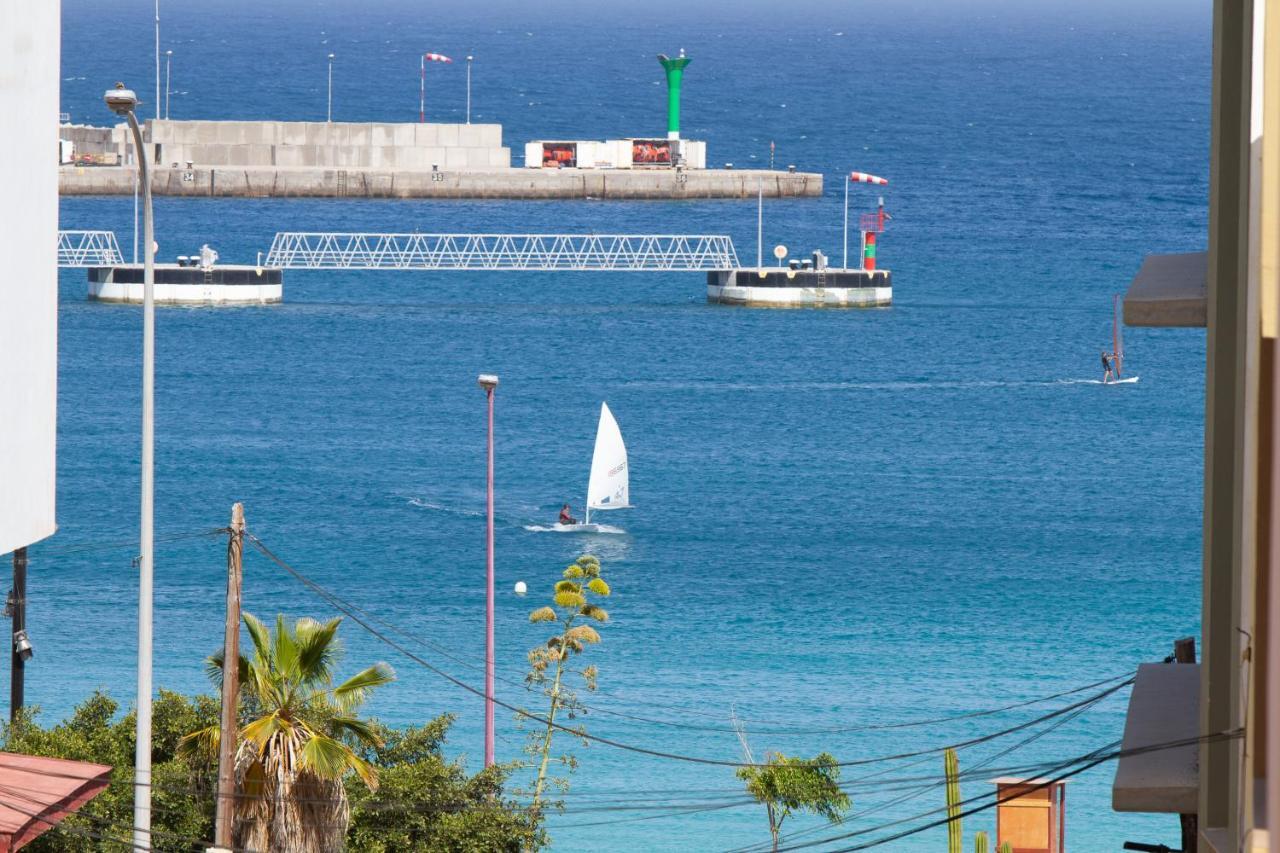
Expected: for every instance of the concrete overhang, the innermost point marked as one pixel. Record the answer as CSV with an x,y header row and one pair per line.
x,y
1164,707
1168,291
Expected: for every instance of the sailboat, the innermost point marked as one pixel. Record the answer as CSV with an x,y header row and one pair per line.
x,y
609,485
1117,345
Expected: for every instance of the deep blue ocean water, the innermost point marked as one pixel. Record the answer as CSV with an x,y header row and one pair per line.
x,y
843,519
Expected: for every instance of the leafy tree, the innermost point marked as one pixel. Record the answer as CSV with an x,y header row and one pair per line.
x,y
426,803
549,667
181,793
300,741
786,785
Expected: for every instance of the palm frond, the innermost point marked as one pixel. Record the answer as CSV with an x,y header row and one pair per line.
x,y
328,758
213,669
200,745
318,649
355,690
262,729
284,649
361,730
259,635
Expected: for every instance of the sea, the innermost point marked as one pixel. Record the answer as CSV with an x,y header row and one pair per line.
x,y
870,533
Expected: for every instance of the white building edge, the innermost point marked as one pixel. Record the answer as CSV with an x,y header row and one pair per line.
x,y
29,88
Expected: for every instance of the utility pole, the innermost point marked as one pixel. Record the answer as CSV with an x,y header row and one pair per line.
x,y
226,804
21,648
1184,651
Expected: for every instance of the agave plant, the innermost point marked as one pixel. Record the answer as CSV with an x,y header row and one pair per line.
x,y
549,663
296,737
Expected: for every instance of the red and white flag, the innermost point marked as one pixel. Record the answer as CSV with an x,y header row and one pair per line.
x,y
436,57
864,178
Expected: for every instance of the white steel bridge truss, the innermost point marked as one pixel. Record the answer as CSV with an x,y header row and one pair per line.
x,y
88,249
586,252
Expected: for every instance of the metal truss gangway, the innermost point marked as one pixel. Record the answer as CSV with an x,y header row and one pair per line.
x,y
88,249
583,252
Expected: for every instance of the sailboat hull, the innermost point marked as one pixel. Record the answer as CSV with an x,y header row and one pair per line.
x,y
587,528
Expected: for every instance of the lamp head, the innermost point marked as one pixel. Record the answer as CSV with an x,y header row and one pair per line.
x,y
487,381
331,57
22,645
120,100
168,53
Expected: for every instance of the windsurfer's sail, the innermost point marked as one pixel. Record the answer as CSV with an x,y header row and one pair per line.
x,y
609,486
1117,336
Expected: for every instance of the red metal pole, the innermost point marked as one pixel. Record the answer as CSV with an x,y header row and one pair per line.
x,y
489,652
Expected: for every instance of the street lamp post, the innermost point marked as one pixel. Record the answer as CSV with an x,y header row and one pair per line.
x,y
122,102
168,66
489,382
157,58
330,118
469,58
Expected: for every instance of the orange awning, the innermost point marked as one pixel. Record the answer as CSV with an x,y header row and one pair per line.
x,y
37,793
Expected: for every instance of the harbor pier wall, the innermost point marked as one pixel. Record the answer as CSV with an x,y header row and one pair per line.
x,y
490,183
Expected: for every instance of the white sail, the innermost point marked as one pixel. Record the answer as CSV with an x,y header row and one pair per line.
x,y
608,487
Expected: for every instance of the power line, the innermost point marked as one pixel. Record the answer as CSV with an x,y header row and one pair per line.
x,y
1088,761
342,606
919,791
82,547
784,730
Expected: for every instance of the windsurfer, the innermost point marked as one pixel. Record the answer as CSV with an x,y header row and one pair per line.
x,y
1108,372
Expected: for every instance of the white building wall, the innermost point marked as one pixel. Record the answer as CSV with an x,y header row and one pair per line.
x,y
29,65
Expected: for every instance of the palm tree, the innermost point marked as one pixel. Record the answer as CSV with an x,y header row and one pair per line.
x,y
297,744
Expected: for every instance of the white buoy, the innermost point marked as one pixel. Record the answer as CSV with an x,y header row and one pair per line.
x,y
521,589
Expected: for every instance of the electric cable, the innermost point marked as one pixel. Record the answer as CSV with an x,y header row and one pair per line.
x,y
342,606
784,730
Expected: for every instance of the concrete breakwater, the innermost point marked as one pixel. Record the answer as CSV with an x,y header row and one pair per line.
x,y
261,159
497,183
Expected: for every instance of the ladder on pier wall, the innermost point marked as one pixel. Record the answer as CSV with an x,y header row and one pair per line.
x,y
585,252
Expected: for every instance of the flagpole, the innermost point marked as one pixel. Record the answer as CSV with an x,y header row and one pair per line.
x,y
422,90
845,262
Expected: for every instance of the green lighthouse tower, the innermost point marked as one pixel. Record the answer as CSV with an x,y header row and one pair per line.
x,y
675,71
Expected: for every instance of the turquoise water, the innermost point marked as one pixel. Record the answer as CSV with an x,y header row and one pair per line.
x,y
843,519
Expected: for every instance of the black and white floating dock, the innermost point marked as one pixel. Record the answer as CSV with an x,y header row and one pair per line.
x,y
780,287
189,284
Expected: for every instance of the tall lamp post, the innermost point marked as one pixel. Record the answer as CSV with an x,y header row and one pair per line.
x,y
157,58
122,102
330,114
168,90
469,58
489,382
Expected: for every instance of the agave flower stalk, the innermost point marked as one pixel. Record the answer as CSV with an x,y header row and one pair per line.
x,y
571,608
